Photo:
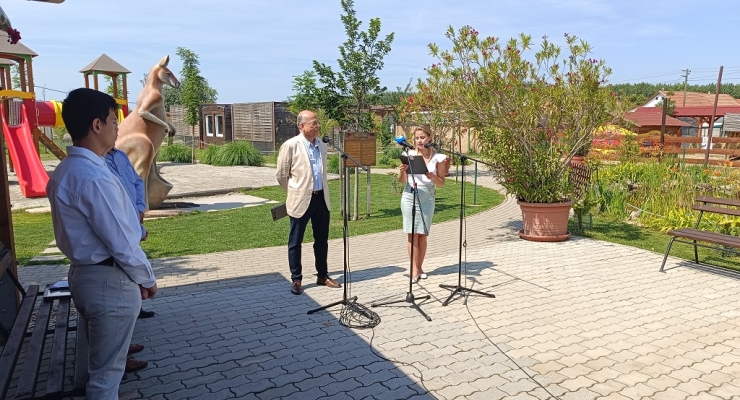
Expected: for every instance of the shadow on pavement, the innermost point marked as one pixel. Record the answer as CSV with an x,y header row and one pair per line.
x,y
250,338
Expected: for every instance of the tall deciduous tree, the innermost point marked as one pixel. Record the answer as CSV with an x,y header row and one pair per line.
x,y
347,92
109,85
344,95
194,90
15,78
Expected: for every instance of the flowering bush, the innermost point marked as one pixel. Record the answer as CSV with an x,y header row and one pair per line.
x,y
532,111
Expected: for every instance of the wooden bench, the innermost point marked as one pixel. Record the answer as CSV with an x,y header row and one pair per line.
x,y
36,337
694,235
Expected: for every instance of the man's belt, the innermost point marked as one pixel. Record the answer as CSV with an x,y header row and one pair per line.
x,y
317,191
109,262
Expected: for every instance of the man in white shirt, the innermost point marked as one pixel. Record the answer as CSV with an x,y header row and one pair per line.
x,y
97,228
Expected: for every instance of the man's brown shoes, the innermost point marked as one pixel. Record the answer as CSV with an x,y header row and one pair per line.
x,y
295,288
135,348
134,365
328,282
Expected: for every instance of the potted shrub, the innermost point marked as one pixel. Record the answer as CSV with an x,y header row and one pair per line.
x,y
533,112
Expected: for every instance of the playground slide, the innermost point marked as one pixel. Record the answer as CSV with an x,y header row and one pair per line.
x,y
32,177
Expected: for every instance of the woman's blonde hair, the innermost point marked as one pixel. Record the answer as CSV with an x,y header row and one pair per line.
x,y
427,131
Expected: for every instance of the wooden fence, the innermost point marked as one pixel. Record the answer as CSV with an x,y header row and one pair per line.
x,y
725,150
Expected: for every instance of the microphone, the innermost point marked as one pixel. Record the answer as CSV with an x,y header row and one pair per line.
x,y
326,139
401,140
432,145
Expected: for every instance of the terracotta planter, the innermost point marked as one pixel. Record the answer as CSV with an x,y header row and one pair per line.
x,y
545,222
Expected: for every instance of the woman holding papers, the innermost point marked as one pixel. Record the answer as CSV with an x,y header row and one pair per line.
x,y
425,182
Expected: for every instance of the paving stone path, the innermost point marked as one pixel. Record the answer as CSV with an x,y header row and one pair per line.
x,y
582,319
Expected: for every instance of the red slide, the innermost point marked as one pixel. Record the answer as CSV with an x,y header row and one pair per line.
x,y
32,176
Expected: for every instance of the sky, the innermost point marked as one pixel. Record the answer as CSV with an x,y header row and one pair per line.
x,y
250,50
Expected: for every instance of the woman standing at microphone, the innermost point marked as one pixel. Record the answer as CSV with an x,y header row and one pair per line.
x,y
426,184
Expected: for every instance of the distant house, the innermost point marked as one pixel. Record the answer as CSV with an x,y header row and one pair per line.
x,y
646,119
731,128
692,99
266,125
731,124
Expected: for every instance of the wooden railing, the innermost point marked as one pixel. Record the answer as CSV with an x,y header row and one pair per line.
x,y
721,146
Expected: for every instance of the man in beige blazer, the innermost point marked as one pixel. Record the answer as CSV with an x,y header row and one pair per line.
x,y
301,171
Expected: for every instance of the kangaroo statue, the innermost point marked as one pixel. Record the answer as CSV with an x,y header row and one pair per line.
x,y
141,133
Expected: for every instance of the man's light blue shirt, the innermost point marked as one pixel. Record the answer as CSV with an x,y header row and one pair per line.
x,y
93,217
317,166
119,164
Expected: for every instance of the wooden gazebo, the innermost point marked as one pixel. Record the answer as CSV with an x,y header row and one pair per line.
x,y
702,115
23,56
107,66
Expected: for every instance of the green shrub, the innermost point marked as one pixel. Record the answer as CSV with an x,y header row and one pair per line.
x,y
390,157
209,154
332,164
392,152
238,152
388,161
178,153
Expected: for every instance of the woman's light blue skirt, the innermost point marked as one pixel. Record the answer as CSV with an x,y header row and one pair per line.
x,y
424,208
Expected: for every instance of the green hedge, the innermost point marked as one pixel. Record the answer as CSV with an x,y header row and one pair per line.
x,y
238,152
178,153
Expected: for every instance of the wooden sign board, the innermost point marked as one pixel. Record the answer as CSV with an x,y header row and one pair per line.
x,y
362,147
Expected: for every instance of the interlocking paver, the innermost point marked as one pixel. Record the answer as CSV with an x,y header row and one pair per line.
x,y
580,394
703,396
608,326
725,391
607,387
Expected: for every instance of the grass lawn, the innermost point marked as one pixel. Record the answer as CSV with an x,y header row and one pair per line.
x,y
253,227
614,231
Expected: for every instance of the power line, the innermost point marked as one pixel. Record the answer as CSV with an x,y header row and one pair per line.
x,y
53,90
732,70
645,77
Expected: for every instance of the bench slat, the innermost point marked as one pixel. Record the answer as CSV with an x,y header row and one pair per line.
x,y
717,210
718,200
12,348
30,372
81,349
709,237
55,380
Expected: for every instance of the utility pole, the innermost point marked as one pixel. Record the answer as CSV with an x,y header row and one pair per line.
x,y
685,82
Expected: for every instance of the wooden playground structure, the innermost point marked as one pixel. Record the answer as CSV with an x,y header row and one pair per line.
x,y
22,116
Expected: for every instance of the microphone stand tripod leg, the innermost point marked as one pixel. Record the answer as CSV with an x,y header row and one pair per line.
x,y
347,302
460,288
410,294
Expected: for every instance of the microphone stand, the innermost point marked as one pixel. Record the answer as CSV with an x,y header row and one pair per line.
x,y
410,294
346,302
459,289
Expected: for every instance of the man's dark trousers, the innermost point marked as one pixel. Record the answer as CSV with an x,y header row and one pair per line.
x,y
318,214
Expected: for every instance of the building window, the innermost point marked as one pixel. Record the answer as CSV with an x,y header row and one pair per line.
x,y
209,125
219,125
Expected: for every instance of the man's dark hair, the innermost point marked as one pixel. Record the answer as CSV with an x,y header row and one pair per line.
x,y
82,106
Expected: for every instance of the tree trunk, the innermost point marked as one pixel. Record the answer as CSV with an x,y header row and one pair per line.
x,y
192,144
